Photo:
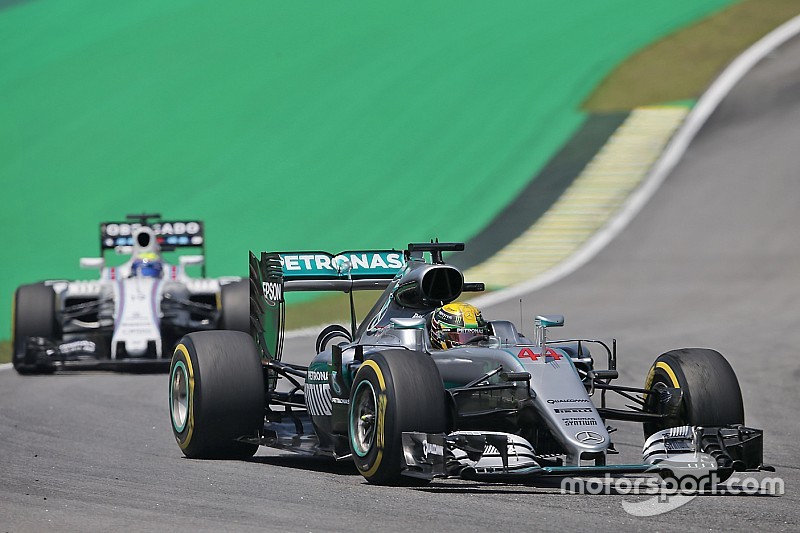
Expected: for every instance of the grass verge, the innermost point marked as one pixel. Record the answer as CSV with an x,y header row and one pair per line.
x,y
682,65
5,352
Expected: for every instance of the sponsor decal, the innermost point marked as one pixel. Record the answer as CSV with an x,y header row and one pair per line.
x,y
325,264
273,292
574,410
316,375
177,228
343,401
589,437
136,331
677,446
77,346
174,240
124,229
579,421
175,233
429,448
335,384
381,421
527,353
569,400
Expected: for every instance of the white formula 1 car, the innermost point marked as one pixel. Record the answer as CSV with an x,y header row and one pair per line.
x,y
135,312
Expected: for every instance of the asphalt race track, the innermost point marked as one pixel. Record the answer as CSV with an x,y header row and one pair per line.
x,y
713,260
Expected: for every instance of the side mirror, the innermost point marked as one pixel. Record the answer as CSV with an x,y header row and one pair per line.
x,y
542,323
93,262
550,321
187,260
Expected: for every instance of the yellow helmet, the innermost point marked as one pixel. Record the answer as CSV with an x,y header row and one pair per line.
x,y
456,324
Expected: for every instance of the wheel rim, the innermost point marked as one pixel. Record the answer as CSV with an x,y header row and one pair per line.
x,y
363,419
651,406
179,397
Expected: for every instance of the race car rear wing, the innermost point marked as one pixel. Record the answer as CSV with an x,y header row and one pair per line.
x,y
274,273
170,234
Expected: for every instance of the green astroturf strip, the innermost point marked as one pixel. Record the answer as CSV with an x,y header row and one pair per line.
x,y
285,125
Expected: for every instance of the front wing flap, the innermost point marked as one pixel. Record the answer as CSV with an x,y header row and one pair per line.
x,y
468,454
734,448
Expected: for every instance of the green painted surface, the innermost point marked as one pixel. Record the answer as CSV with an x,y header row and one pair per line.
x,y
289,125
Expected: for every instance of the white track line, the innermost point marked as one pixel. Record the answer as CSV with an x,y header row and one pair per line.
x,y
661,169
590,201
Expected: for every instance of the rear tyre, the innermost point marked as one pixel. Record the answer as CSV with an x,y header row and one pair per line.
x,y
711,393
393,392
216,394
235,306
34,316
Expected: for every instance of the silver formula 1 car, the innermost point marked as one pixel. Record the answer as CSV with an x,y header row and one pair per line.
x,y
503,407
135,312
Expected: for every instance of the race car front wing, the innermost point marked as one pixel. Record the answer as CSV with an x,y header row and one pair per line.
x,y
43,355
503,457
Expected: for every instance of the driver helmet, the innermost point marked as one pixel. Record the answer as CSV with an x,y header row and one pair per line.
x,y
147,265
456,324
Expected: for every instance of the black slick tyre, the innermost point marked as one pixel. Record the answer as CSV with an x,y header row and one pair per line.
x,y
235,306
34,316
393,391
711,393
216,394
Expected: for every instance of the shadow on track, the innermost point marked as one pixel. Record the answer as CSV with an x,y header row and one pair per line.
x,y
312,464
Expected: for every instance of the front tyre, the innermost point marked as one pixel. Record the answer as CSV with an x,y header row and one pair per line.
x,y
394,391
711,393
216,394
711,397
